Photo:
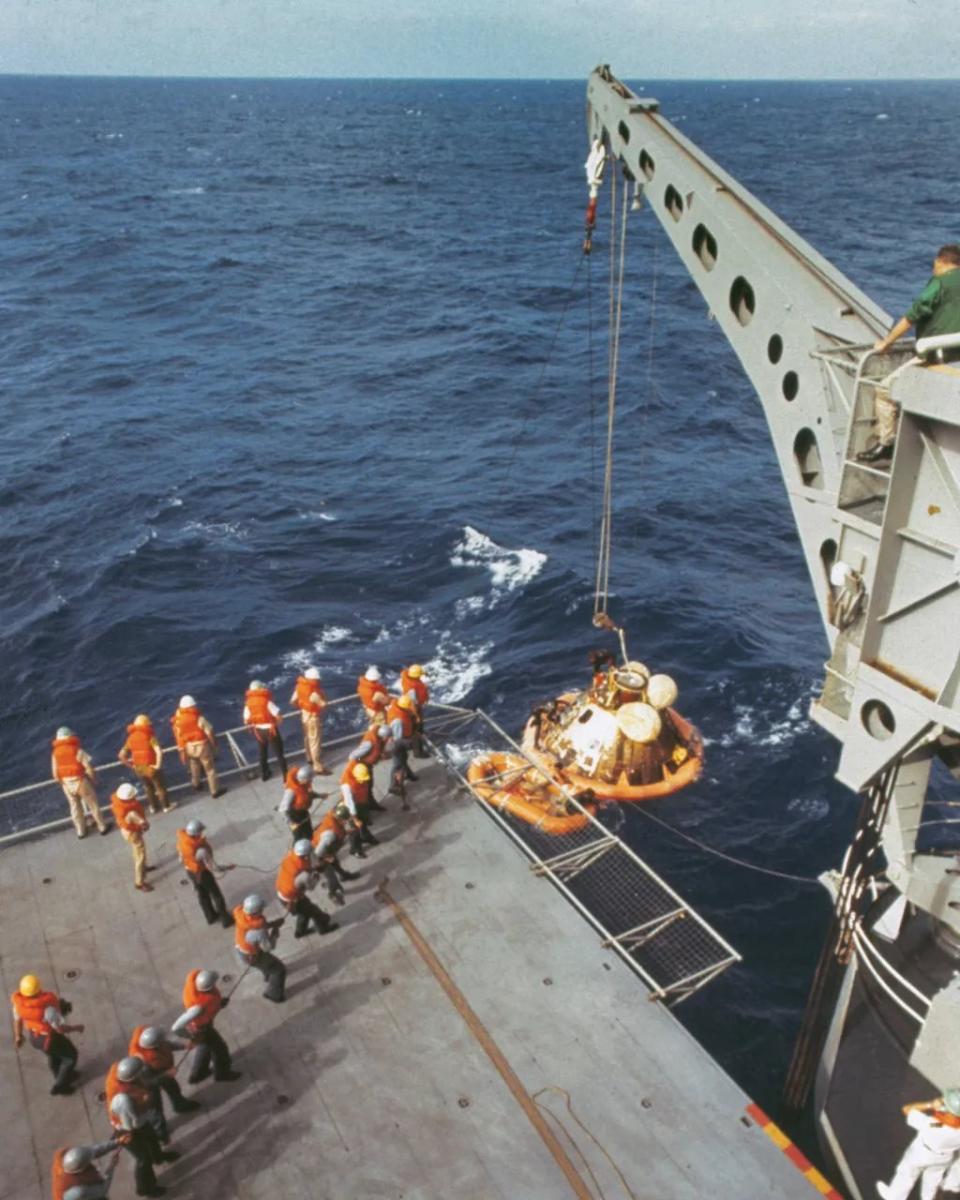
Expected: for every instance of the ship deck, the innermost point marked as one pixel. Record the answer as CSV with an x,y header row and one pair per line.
x,y
427,1049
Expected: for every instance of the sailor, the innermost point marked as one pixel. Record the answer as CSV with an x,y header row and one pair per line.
x,y
263,718
41,1014
130,1109
401,719
328,838
936,311
152,1044
141,751
355,794
196,855
297,798
131,820
254,939
196,743
296,877
311,699
74,1177
202,1001
373,693
72,767
601,663
370,750
932,1151
413,684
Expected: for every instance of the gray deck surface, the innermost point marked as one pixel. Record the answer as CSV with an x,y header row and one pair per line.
x,y
390,1093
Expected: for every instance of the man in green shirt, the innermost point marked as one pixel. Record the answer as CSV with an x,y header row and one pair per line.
x,y
935,311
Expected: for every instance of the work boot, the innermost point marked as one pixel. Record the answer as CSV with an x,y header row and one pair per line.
x,y
186,1106
220,792
227,921
144,887
275,999
882,452
62,1089
410,775
376,806
266,774
328,926
156,1190
338,898
349,875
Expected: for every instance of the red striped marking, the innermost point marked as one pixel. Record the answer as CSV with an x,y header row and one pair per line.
x,y
796,1156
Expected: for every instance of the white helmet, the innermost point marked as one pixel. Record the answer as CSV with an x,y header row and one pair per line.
x,y
64,732
126,791
187,702
305,773
195,827
253,905
76,1158
303,848
129,1068
257,685
661,691
207,980
311,673
151,1036
371,673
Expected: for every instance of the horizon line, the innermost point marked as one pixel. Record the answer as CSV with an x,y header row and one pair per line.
x,y
476,78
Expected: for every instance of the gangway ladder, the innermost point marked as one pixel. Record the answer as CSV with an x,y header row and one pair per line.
x,y
862,499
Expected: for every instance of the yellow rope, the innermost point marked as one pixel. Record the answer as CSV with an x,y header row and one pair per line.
x,y
630,1193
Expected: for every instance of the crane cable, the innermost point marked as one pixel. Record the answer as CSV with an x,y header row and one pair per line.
x,y
617,274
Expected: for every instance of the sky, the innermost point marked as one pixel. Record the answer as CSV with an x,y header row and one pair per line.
x,y
699,39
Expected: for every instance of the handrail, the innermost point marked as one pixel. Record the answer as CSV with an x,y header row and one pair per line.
x,y
867,952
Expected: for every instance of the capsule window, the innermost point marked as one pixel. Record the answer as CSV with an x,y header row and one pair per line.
x,y
775,348
790,385
647,165
806,452
674,202
705,246
624,131
742,300
828,556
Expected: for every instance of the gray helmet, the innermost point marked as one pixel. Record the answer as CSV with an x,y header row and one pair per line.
x,y
305,773
152,1036
207,980
257,685
62,732
951,1101
253,905
195,827
76,1158
129,1068
303,848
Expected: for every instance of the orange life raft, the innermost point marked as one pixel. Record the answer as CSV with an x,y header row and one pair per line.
x,y
510,783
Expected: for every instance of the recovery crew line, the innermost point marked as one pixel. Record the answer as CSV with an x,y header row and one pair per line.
x,y
136,1083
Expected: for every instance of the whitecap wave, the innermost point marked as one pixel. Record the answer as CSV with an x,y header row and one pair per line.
x,y
217,531
298,660
316,515
460,755
456,668
193,191
509,569
760,727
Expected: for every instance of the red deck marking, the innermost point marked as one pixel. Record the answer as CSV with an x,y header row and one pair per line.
x,y
799,1160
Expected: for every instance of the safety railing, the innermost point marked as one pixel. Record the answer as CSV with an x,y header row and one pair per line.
x,y
637,914
26,811
888,978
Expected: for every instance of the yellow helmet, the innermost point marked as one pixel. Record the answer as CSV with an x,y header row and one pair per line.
x,y
405,702
29,985
362,772
142,719
415,671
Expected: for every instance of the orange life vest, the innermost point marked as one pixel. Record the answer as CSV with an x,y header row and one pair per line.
x,y
187,727
368,690
122,808
142,1101
210,1002
30,1010
187,848
305,689
140,744
361,790
290,868
405,716
258,705
66,755
373,752
243,923
417,686
332,824
62,1181
302,799
158,1058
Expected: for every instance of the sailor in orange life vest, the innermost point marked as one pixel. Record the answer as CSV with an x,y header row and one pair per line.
x,y
72,767
401,718
296,877
413,684
298,795
131,819
152,1044
355,797
254,940
74,1177
141,751
263,718
41,1014
202,1000
130,1109
328,838
311,699
196,854
373,693
369,750
193,734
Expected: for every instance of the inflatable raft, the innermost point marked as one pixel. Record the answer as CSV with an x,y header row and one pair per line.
x,y
508,782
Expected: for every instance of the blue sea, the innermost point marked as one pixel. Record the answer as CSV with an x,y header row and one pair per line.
x,y
300,372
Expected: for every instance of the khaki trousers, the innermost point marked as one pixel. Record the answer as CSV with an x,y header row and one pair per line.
x,y
885,412
313,739
82,798
155,785
200,759
135,840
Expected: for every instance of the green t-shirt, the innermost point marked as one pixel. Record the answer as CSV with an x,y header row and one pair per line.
x,y
937,309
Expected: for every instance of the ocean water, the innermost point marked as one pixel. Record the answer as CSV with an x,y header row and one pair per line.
x,y
282,383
